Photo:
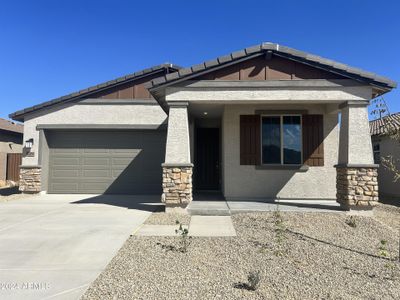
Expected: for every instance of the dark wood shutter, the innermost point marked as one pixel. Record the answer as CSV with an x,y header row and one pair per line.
x,y
250,140
313,140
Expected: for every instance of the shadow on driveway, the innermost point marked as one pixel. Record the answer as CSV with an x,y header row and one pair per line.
x,y
148,203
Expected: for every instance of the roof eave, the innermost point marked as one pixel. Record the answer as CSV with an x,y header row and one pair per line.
x,y
19,115
382,83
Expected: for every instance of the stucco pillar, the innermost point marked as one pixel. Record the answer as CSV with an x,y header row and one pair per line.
x,y
356,181
177,168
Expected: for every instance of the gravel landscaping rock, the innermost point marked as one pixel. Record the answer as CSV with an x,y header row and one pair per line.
x,y
389,215
162,218
320,257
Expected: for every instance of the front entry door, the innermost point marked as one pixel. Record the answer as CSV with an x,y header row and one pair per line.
x,y
207,164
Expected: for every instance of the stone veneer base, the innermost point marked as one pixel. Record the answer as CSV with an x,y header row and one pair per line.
x,y
177,187
30,179
357,187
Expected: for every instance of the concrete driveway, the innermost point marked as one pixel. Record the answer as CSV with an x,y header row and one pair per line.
x,y
54,246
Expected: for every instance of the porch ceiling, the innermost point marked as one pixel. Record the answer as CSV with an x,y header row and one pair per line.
x,y
205,110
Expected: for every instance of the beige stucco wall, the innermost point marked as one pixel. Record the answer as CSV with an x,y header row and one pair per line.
x,y
355,142
387,187
90,114
247,182
261,94
178,141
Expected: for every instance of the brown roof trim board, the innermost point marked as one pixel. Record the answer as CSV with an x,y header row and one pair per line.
x,y
18,115
382,125
382,83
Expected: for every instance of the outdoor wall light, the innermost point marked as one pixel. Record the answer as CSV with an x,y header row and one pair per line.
x,y
205,113
29,143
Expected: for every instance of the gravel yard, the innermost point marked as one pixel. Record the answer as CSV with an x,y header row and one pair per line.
x,y
307,256
161,218
388,215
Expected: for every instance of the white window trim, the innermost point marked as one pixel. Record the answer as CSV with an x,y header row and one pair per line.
x,y
378,143
281,138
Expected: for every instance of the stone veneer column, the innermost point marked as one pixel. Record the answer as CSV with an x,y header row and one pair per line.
x,y
356,179
30,179
177,169
177,187
357,187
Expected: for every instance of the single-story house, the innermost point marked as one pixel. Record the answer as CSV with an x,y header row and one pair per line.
x,y
257,124
384,145
10,142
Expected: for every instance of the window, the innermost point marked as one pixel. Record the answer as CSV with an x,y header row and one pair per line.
x,y
376,148
281,140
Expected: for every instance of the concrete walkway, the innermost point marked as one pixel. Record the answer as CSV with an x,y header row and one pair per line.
x,y
226,208
211,226
212,218
54,246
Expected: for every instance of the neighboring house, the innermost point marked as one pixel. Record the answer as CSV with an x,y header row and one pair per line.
x,y
385,146
10,142
259,124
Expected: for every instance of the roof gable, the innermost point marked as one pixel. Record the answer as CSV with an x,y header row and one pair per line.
x,y
131,86
267,50
269,68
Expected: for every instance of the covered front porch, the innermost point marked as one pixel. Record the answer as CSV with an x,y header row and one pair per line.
x,y
262,125
269,152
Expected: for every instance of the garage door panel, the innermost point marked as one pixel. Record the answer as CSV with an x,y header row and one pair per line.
x,y
96,173
96,151
65,173
124,162
65,187
66,161
96,161
66,151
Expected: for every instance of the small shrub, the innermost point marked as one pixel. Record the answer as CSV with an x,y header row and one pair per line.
x,y
252,284
254,279
351,221
183,233
383,251
280,233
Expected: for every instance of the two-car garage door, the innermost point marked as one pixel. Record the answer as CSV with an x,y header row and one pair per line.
x,y
111,162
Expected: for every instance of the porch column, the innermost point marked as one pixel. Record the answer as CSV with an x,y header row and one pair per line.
x,y
356,181
177,168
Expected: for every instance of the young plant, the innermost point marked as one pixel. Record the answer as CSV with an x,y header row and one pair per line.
x,y
253,282
351,221
183,233
253,279
383,251
280,233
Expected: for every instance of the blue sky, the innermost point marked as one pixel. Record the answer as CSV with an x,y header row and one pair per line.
x,y
51,48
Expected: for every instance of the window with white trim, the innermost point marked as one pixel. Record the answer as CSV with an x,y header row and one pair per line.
x,y
376,148
281,140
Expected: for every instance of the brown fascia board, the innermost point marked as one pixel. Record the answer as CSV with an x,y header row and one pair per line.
x,y
19,115
383,83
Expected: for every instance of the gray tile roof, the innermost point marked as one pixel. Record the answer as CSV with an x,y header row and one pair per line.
x,y
280,50
18,115
383,125
8,125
